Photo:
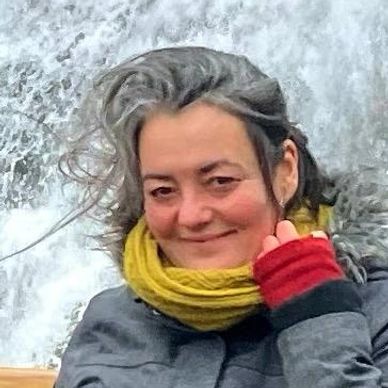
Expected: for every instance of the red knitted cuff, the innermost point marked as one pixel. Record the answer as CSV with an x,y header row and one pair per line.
x,y
294,268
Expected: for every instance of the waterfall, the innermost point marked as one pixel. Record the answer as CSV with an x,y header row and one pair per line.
x,y
330,56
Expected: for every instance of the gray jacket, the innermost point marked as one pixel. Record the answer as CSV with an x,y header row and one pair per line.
x,y
334,336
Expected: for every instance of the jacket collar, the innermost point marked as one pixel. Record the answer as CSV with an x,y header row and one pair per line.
x,y
359,224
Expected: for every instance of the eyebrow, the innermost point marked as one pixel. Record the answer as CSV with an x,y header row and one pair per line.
x,y
209,167
160,177
205,169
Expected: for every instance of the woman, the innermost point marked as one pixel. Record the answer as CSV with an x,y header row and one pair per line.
x,y
216,212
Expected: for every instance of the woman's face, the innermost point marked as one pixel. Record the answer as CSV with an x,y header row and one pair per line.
x,y
205,201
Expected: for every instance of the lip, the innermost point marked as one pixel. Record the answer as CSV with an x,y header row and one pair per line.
x,y
207,237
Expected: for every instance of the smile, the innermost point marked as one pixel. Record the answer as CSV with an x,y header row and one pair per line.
x,y
207,237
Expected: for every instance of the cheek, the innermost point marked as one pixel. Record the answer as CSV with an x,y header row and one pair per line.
x,y
159,220
251,207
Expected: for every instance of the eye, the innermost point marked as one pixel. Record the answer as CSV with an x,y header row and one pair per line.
x,y
161,192
222,181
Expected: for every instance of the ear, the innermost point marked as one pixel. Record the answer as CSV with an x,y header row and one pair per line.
x,y
286,177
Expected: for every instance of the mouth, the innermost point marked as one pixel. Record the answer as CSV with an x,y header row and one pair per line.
x,y
207,237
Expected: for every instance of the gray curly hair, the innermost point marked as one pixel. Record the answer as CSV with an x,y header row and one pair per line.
x,y
104,159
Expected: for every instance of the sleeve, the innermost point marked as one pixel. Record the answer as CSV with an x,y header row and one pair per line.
x,y
333,333
326,339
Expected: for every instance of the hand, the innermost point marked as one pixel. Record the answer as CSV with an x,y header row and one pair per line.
x,y
290,264
284,233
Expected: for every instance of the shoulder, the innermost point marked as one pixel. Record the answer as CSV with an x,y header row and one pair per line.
x,y
112,310
112,323
119,315
112,300
116,335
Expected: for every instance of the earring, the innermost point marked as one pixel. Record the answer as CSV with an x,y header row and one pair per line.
x,y
281,203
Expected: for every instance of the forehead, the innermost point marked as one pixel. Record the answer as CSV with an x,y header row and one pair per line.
x,y
197,134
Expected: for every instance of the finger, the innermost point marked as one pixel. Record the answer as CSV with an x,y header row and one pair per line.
x,y
285,231
269,243
319,234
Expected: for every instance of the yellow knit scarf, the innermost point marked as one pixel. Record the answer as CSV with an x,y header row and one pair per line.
x,y
203,299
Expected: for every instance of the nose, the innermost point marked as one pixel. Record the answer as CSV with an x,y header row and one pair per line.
x,y
194,212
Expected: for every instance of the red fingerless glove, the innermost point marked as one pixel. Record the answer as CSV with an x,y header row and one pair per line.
x,y
294,268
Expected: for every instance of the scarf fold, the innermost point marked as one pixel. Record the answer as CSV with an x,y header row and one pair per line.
x,y
213,299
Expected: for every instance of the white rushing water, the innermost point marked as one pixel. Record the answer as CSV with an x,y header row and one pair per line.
x,y
329,55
